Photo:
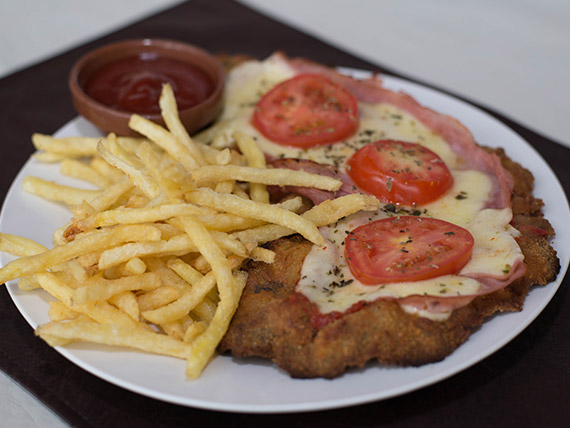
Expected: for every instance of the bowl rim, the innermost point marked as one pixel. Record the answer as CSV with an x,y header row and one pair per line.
x,y
147,44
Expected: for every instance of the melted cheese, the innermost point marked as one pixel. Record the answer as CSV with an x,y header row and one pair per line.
x,y
495,250
325,276
248,83
464,200
327,280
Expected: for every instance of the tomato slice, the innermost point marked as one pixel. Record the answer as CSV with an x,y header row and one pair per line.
x,y
305,111
399,172
406,248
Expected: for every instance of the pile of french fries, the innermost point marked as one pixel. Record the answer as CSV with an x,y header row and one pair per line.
x,y
151,259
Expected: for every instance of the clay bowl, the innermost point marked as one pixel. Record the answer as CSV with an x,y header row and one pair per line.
x,y
110,119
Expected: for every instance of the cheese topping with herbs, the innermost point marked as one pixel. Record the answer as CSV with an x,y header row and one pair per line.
x,y
325,276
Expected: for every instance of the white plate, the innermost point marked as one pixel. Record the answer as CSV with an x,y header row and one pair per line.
x,y
257,386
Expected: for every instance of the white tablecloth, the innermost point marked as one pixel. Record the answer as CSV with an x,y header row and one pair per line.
x,y
510,55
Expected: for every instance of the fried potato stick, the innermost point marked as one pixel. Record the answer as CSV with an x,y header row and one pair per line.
x,y
170,116
20,246
165,140
91,331
273,176
325,213
247,208
82,245
58,192
203,347
255,158
135,174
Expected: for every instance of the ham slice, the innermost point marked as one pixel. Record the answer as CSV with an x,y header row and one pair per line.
x,y
489,284
315,195
455,134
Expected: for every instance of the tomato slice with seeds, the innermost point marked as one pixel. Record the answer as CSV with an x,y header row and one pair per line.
x,y
399,172
305,111
406,248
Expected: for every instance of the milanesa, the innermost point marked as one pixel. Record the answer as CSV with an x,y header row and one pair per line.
x,y
311,311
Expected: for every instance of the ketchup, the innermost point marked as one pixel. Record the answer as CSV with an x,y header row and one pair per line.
x,y
135,84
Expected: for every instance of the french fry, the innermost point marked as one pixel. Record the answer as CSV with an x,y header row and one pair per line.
x,y
159,297
325,213
227,242
171,178
230,222
209,217
58,311
226,186
205,310
140,215
204,346
168,277
170,116
83,245
185,271
332,210
260,211
140,201
58,192
106,170
91,331
193,330
81,171
135,266
167,230
227,222
27,283
248,147
105,313
126,302
223,157
210,154
104,289
74,147
178,245
111,195
174,329
136,175
165,140
261,254
20,246
211,251
55,287
274,176
240,191
48,157
72,268
255,158
191,298
176,309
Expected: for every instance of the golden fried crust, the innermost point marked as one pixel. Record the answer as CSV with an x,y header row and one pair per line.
x,y
274,322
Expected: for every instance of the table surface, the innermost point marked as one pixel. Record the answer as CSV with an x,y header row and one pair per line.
x,y
511,56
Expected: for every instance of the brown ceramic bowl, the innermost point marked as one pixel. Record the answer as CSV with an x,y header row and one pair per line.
x,y
113,120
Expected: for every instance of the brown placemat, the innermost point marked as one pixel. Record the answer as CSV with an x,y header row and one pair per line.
x,y
526,383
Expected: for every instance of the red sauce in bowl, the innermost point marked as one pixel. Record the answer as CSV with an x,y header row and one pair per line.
x,y
134,84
